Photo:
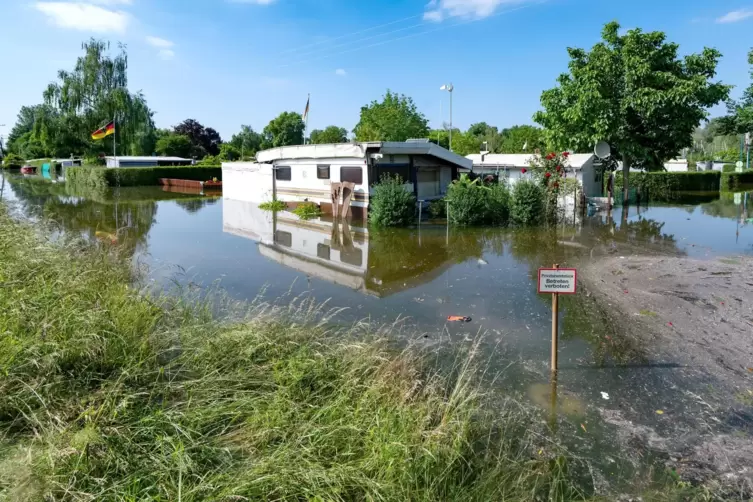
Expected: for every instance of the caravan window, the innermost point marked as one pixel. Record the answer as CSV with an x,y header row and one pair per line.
x,y
322,172
352,174
282,173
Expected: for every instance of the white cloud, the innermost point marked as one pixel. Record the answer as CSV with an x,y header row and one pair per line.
x,y
159,43
340,72
735,16
166,54
438,10
112,2
84,16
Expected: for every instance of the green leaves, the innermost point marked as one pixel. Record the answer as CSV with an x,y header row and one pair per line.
x,y
332,134
287,129
395,118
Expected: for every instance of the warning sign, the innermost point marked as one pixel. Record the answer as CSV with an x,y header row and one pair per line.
x,y
557,280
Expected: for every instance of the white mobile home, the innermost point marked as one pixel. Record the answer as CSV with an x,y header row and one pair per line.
x,y
131,161
295,174
510,167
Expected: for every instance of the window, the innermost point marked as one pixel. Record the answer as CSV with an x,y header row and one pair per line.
x,y
397,170
352,174
322,172
282,173
284,238
352,256
322,251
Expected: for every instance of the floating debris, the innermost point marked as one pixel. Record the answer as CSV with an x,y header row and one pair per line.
x,y
605,396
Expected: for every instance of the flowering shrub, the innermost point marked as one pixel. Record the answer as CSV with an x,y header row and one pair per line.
x,y
550,172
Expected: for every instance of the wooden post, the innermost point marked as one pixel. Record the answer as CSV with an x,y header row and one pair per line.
x,y
555,327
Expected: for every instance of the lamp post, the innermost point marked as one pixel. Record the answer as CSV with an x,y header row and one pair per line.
x,y
449,88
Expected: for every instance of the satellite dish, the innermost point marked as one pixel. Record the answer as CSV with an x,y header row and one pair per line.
x,y
602,150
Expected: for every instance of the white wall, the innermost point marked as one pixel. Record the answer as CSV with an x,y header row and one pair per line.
x,y
247,181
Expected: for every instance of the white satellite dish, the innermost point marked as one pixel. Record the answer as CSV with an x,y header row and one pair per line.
x,y
602,150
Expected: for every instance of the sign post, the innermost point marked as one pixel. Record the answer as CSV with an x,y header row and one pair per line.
x,y
557,281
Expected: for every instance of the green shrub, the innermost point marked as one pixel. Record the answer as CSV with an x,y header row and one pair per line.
x,y
527,207
473,202
391,205
729,168
498,204
737,181
11,160
668,186
438,208
96,177
307,210
273,205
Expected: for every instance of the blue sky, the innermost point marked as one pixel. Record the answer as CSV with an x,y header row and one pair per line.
x,y
232,62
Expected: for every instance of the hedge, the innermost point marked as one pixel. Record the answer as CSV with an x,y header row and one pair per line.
x,y
100,177
737,181
668,186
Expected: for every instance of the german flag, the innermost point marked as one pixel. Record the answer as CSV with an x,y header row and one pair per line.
x,y
105,131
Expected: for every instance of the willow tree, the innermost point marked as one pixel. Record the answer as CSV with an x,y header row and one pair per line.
x,y
633,92
92,94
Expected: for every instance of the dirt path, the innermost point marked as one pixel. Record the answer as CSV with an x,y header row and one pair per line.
x,y
698,314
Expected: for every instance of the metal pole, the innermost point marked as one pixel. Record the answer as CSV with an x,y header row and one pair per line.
x,y
555,328
114,144
451,89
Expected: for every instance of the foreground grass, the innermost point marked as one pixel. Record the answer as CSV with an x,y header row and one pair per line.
x,y
106,394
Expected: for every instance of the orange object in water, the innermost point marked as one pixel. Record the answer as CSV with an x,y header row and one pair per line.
x,y
458,318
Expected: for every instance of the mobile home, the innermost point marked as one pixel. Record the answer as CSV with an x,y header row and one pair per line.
x,y
295,174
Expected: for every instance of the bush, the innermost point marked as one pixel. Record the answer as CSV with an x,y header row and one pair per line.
x,y
391,205
11,160
527,207
473,202
307,210
97,177
729,168
273,205
666,186
737,181
438,208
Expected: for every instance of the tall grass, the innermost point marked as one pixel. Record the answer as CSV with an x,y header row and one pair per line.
x,y
108,394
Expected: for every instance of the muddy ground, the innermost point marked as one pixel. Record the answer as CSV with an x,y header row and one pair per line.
x,y
698,315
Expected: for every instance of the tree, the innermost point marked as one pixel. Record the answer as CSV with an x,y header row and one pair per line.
x,y
174,145
633,92
331,134
465,143
395,118
740,113
85,99
228,152
521,139
248,142
204,140
287,129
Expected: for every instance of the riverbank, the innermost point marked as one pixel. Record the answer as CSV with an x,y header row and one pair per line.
x,y
695,317
106,394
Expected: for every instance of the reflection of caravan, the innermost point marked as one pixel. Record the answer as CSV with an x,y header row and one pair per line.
x,y
345,254
295,174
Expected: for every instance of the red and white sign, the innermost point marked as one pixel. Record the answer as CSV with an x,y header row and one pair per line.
x,y
558,280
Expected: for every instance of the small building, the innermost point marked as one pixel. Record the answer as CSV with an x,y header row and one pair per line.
x,y
676,166
510,166
131,161
301,173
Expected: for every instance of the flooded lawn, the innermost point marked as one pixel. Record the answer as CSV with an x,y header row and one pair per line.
x,y
611,390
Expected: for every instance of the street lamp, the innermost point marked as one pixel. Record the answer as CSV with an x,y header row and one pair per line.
x,y
449,88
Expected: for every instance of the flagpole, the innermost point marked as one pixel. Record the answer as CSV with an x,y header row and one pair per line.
x,y
114,144
308,105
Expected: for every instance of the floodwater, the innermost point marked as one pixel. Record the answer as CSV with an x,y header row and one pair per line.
x,y
424,274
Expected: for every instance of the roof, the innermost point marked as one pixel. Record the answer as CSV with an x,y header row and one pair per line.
x,y
147,158
521,160
360,149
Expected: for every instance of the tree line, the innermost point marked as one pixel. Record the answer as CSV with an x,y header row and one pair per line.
x,y
631,90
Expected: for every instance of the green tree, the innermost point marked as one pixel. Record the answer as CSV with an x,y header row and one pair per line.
x,y
332,134
174,145
248,141
228,152
395,118
633,92
464,143
489,137
740,113
287,129
91,95
522,139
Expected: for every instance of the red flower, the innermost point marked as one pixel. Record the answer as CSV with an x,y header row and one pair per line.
x,y
566,154
551,156
559,168
547,174
556,185
523,171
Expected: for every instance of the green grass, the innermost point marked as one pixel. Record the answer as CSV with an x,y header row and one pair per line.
x,y
307,211
273,205
107,394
